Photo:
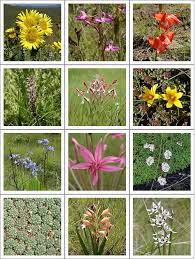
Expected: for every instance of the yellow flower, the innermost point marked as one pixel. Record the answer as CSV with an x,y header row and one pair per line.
x,y
11,32
45,24
150,95
31,38
27,19
57,45
172,97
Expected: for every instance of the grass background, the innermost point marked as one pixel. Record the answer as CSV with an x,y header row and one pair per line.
x,y
88,50
78,113
115,244
17,111
24,143
108,179
144,25
162,142
142,230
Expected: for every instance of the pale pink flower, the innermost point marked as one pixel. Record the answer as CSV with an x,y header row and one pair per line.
x,y
117,135
104,18
106,212
111,47
95,163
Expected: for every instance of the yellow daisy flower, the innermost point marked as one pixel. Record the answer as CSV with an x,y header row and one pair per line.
x,y
27,19
57,45
172,97
11,33
150,95
31,38
45,24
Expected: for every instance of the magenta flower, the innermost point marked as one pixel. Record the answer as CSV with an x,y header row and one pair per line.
x,y
104,18
95,163
111,47
82,17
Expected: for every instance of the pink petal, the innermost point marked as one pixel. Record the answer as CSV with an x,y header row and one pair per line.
x,y
86,154
95,177
109,168
81,166
99,151
110,159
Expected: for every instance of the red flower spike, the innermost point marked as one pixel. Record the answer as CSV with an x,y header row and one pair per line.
x,y
166,21
162,42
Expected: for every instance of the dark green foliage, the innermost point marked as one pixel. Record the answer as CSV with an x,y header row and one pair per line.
x,y
181,155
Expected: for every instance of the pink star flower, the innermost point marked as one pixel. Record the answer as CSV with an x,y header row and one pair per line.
x,y
96,163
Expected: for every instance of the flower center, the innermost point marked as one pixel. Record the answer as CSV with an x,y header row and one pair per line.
x,y
31,36
172,97
150,96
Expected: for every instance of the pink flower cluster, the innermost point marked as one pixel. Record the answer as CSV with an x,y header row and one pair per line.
x,y
93,21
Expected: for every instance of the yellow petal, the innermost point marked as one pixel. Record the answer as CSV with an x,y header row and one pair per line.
x,y
157,96
164,97
169,104
178,104
153,89
168,90
179,95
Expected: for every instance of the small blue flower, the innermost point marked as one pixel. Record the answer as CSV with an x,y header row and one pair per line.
x,y
43,141
51,148
14,156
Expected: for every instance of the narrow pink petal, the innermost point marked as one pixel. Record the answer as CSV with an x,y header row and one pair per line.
x,y
110,159
81,166
95,177
86,154
99,151
109,168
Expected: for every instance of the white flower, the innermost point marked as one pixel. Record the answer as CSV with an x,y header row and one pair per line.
x,y
162,181
155,207
180,143
165,167
150,160
166,213
151,147
167,154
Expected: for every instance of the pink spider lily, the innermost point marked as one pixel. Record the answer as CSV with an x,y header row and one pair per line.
x,y
111,47
95,162
105,18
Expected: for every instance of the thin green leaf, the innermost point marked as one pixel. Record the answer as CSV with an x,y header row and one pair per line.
x,y
82,243
102,246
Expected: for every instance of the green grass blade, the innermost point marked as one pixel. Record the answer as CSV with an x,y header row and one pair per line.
x,y
102,246
82,243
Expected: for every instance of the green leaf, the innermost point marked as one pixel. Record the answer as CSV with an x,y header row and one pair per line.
x,y
82,243
102,245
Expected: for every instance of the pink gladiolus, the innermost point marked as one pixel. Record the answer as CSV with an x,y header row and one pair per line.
x,y
111,47
104,18
95,163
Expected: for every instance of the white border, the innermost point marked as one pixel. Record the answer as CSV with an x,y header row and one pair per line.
x,y
95,2
67,126
162,197
67,191
96,256
3,192
35,197
191,100
34,67
159,192
3,2
132,2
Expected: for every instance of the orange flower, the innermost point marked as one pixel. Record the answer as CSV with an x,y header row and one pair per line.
x,y
166,20
162,42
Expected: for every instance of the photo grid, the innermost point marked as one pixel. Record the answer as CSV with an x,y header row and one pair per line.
x,y
97,129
